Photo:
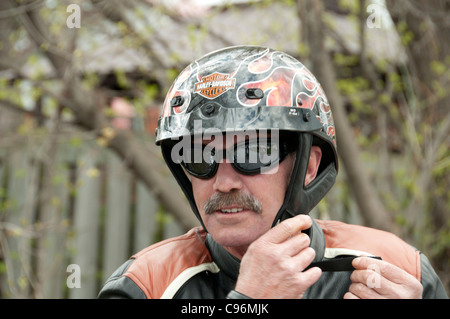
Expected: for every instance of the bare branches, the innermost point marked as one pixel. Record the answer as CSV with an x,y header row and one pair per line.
x,y
87,109
16,10
425,102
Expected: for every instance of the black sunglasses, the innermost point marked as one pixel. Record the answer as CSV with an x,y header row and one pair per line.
x,y
249,157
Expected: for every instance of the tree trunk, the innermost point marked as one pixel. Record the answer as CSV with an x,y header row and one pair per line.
x,y
371,209
427,102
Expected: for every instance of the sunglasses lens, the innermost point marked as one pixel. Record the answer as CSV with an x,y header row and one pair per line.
x,y
200,170
249,157
194,162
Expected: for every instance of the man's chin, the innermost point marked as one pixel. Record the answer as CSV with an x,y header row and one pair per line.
x,y
235,244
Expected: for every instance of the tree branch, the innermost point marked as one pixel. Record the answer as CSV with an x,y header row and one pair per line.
x,y
89,115
370,206
152,172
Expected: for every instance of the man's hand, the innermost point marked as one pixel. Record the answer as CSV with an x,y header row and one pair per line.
x,y
374,279
273,265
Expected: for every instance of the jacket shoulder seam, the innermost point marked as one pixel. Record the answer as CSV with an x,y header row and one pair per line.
x,y
155,268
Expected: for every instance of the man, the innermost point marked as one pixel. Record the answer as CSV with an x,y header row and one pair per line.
x,y
249,135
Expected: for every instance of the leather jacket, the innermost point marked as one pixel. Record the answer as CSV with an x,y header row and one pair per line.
x,y
195,266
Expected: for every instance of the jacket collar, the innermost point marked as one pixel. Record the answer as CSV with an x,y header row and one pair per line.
x,y
229,264
223,259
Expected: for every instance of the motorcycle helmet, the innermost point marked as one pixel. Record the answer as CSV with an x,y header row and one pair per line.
x,y
243,88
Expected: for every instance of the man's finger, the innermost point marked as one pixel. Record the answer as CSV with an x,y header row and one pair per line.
x,y
304,258
371,280
288,228
386,279
295,244
310,276
363,292
385,269
350,295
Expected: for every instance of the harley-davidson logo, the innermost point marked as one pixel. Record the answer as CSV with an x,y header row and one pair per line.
x,y
213,85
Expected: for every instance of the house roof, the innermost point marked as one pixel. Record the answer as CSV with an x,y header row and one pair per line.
x,y
274,25
177,39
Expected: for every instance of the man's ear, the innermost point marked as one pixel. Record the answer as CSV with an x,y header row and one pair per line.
x,y
313,165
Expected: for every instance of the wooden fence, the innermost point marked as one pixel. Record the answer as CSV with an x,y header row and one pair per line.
x,y
65,227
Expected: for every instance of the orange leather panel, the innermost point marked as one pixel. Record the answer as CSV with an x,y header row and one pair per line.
x,y
379,243
167,259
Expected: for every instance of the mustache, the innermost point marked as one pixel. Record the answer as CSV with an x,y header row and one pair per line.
x,y
235,198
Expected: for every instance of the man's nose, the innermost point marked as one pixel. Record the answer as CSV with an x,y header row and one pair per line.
x,y
227,179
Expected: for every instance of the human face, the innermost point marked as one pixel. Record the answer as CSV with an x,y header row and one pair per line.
x,y
244,207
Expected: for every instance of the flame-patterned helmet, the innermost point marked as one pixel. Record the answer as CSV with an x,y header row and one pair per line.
x,y
249,87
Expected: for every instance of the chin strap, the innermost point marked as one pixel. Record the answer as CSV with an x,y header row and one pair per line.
x,y
341,263
300,199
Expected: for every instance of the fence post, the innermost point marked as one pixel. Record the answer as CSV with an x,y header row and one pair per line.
x,y
117,215
145,218
86,227
19,214
52,252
